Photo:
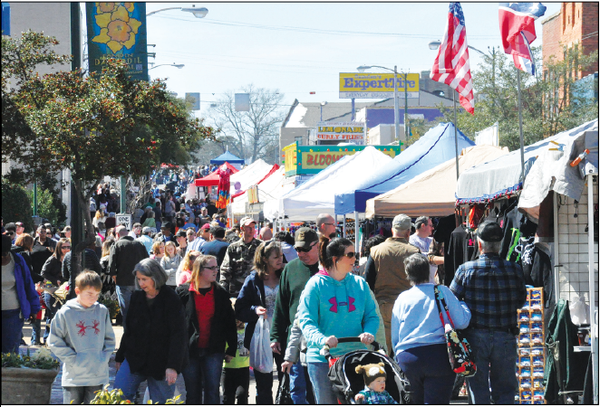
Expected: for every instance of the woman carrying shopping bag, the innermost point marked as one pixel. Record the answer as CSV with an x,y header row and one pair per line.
x,y
257,300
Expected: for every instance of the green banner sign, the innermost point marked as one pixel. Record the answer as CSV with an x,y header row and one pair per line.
x,y
118,30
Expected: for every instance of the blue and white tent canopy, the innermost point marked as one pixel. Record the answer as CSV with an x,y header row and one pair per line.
x,y
227,157
435,147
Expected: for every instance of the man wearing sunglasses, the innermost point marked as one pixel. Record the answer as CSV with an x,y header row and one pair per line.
x,y
326,225
294,277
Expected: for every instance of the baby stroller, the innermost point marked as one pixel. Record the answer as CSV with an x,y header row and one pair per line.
x,y
347,383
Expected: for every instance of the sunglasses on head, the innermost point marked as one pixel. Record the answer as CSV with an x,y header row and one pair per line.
x,y
304,249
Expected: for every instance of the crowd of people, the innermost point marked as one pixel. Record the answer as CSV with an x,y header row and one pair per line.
x,y
192,293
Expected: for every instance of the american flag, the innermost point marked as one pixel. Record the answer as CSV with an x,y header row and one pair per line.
x,y
517,29
451,65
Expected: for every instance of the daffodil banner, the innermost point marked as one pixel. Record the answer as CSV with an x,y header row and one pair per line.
x,y
118,30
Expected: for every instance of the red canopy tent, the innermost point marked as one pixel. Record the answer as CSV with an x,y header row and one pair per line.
x,y
213,178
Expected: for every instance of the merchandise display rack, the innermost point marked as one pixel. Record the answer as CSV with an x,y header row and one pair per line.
x,y
531,358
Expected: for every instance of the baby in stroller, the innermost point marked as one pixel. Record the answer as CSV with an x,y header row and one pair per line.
x,y
374,392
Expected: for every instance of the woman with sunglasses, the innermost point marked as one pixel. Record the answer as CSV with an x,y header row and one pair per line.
x,y
52,273
257,300
334,304
211,328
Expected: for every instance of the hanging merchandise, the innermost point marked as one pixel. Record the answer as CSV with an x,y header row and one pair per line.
x,y
223,195
531,361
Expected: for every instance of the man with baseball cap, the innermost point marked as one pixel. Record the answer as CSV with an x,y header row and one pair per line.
x,y
201,239
294,277
239,259
20,228
388,267
493,289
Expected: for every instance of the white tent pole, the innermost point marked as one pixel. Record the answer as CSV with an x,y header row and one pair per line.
x,y
355,231
592,287
555,264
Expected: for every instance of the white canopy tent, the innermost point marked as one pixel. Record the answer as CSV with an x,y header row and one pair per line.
x,y
317,195
431,193
270,189
248,176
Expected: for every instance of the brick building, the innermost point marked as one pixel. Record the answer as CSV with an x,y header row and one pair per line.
x,y
575,23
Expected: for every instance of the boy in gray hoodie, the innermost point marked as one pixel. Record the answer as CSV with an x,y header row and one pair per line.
x,y
81,336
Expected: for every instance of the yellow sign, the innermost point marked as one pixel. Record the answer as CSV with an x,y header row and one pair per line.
x,y
378,85
340,131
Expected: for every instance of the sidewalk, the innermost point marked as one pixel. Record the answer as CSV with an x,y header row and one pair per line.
x,y
57,397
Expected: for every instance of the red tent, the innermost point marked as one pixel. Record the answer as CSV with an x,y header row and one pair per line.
x,y
213,178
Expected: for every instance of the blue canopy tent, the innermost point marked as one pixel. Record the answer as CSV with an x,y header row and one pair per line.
x,y
228,157
434,148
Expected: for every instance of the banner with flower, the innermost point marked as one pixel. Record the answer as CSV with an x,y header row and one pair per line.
x,y
118,30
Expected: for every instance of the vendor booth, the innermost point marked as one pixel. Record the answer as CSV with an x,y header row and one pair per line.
x,y
433,148
316,196
432,192
558,192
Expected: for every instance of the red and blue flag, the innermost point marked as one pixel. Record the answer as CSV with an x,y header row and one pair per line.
x,y
517,29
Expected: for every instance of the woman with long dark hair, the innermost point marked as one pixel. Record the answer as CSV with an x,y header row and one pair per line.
x,y
334,304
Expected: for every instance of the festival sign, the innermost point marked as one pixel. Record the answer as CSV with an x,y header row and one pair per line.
x,y
377,85
312,159
118,30
341,131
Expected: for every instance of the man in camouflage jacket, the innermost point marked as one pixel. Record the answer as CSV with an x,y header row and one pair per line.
x,y
239,259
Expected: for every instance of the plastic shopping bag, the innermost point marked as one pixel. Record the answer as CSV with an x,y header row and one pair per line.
x,y
261,355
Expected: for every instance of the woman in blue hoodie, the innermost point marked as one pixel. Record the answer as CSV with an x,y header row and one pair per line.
x,y
334,304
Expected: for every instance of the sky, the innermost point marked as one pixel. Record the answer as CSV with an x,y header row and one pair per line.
x,y
299,48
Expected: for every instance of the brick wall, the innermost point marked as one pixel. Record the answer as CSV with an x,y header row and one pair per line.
x,y
572,25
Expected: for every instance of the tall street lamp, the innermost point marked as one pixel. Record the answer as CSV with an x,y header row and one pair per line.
x,y
197,12
363,68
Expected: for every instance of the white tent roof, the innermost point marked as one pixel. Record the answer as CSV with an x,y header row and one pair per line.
x,y
269,189
317,195
433,192
249,175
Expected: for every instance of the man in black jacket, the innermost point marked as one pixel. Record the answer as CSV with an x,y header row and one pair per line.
x,y
124,255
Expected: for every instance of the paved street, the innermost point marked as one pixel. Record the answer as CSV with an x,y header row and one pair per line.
x,y
57,397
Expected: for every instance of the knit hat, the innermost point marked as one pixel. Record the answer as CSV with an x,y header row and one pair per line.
x,y
371,372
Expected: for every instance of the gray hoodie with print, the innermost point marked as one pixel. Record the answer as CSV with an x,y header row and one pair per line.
x,y
83,339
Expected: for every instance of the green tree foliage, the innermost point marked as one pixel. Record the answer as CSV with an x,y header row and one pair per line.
x,y
545,108
16,205
95,125
253,134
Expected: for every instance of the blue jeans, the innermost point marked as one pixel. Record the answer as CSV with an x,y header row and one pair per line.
x,y
124,295
12,325
495,354
321,384
129,382
298,383
36,329
203,373
429,373
52,307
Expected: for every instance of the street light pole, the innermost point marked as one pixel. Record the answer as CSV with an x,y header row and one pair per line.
x,y
178,66
363,68
197,12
